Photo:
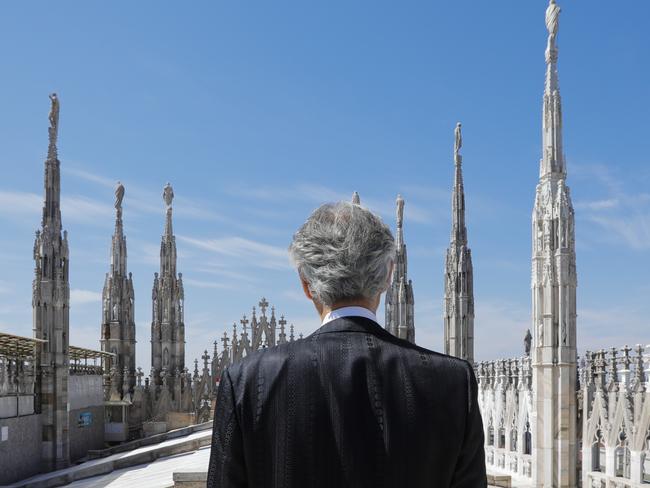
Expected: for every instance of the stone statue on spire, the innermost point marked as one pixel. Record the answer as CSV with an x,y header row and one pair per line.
x,y
53,130
119,195
552,19
458,139
356,199
54,113
168,194
400,210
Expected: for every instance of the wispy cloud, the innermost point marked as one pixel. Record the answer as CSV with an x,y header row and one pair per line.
x,y
89,176
19,204
622,213
217,269
83,209
74,208
206,284
598,204
633,230
259,254
147,201
83,297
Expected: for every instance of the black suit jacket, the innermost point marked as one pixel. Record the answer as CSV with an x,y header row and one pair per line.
x,y
350,405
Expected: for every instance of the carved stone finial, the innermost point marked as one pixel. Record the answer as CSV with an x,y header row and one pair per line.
x,y
168,194
552,19
119,195
263,306
206,359
400,210
458,139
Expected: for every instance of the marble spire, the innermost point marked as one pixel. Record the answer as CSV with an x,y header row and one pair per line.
x,y
552,164
399,301
52,205
168,300
459,274
118,322
51,305
553,283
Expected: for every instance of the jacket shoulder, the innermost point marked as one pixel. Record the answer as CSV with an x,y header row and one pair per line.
x,y
267,359
436,358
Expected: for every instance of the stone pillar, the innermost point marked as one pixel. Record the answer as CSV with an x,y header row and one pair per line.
x,y
458,303
637,459
51,305
554,282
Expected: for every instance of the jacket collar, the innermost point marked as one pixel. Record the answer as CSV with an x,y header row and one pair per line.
x,y
352,324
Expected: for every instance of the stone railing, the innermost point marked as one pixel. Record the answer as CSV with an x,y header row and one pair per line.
x,y
505,400
615,418
16,387
16,377
81,369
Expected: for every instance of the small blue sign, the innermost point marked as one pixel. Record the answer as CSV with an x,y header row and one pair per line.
x,y
85,419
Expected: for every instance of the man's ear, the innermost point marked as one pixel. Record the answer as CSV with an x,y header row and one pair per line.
x,y
305,288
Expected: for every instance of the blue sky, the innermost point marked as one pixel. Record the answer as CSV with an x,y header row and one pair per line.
x,y
257,113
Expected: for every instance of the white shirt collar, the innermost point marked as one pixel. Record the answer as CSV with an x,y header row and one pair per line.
x,y
349,312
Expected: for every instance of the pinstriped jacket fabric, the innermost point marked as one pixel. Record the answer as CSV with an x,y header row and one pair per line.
x,y
348,406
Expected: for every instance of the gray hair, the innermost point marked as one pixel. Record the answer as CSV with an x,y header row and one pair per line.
x,y
343,251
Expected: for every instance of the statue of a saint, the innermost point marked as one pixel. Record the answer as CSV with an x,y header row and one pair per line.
x,y
552,19
54,112
119,195
165,357
458,143
527,342
168,194
400,210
